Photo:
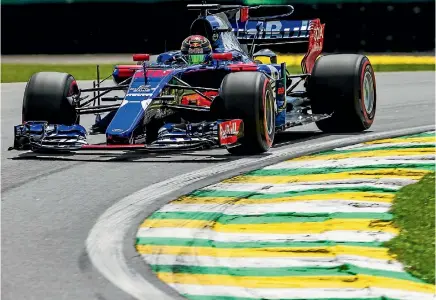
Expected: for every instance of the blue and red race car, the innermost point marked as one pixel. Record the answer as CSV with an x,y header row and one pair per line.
x,y
229,99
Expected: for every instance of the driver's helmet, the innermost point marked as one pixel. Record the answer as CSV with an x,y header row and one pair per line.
x,y
195,49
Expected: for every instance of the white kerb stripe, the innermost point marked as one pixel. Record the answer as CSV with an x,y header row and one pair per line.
x,y
271,293
267,188
272,262
350,162
207,234
329,206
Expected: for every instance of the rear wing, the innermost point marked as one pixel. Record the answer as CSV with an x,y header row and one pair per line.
x,y
273,30
269,29
258,30
263,29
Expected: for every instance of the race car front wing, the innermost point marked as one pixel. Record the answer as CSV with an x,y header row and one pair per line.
x,y
41,136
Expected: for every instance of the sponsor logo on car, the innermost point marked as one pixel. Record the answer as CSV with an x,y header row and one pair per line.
x,y
276,29
142,88
139,94
229,131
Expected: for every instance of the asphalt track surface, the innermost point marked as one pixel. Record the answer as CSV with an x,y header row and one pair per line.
x,y
50,205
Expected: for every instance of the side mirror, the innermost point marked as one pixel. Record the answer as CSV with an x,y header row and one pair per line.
x,y
222,56
141,57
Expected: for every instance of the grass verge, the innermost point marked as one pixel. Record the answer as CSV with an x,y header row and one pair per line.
x,y
22,72
414,214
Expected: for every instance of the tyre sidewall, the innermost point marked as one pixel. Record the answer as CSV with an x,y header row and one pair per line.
x,y
364,69
266,138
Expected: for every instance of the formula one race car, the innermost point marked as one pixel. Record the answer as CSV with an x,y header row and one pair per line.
x,y
214,92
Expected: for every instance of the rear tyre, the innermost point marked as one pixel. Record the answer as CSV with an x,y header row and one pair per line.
x,y
343,85
49,97
249,96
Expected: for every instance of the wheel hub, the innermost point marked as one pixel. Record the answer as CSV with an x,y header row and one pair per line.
x,y
368,92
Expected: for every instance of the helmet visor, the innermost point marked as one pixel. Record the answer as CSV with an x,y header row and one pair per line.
x,y
195,59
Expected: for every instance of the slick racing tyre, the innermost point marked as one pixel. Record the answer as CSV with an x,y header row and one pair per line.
x,y
343,85
49,97
249,96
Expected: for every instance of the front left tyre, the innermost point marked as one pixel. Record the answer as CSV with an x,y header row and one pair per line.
x,y
49,97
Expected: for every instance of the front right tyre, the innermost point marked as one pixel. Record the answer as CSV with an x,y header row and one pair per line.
x,y
250,97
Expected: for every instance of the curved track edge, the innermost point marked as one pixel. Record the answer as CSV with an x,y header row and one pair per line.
x,y
111,242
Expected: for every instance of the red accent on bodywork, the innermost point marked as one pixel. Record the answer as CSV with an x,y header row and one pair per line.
x,y
141,57
222,56
125,71
139,75
242,67
156,73
244,14
229,132
196,99
113,147
316,43
153,73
